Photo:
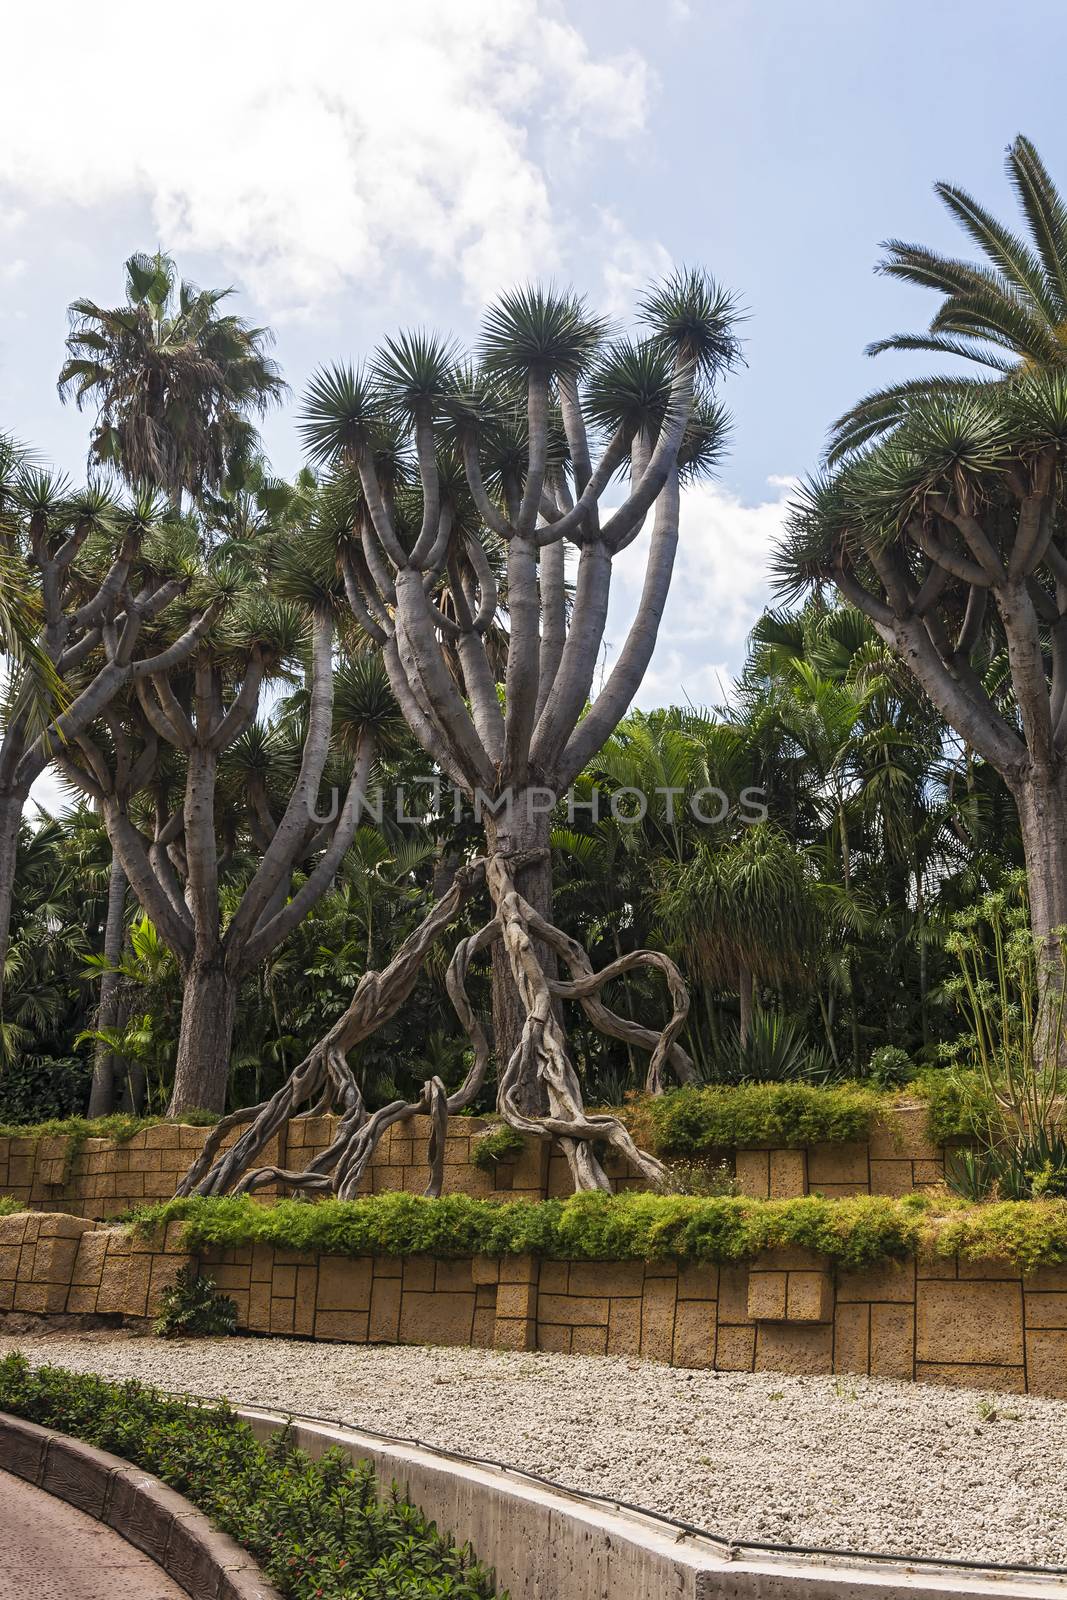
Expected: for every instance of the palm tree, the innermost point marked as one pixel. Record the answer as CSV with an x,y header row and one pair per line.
x,y
747,911
172,379
1007,314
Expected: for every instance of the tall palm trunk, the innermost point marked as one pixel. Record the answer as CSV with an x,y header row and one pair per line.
x,y
102,1090
11,804
744,994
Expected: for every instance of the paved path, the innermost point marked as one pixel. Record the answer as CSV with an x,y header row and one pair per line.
x,y
51,1551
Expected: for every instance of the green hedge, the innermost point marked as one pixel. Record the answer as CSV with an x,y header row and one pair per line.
x,y
682,1122
317,1528
120,1126
692,1122
855,1232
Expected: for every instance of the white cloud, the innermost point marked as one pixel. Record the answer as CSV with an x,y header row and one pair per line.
x,y
629,264
720,587
10,270
326,146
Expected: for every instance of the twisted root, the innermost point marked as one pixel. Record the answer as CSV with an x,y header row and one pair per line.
x,y
324,1080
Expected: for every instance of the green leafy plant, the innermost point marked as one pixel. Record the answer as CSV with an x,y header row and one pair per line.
x,y
192,1308
500,1144
319,1530
9,1205
1028,1169
1015,1036
889,1067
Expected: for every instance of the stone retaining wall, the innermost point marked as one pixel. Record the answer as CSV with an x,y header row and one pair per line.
x,y
980,1325
103,1178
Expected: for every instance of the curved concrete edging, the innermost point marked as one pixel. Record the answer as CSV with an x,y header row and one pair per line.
x,y
551,1544
207,1564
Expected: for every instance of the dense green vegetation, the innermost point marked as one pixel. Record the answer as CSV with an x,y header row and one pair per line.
x,y
854,1232
852,920
689,1122
319,1530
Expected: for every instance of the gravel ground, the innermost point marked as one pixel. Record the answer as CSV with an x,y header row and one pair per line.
x,y
850,1463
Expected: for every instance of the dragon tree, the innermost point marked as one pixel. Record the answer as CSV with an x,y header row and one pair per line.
x,y
469,480
949,534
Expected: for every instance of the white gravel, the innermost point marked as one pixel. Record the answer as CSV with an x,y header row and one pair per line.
x,y
849,1463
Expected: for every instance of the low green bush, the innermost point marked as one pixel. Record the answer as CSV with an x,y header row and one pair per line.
x,y
958,1105
585,1227
9,1205
691,1121
318,1529
1027,1233
120,1126
855,1232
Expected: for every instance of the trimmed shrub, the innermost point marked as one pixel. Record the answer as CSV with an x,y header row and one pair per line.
x,y
694,1122
318,1529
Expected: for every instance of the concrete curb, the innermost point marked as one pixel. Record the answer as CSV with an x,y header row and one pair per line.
x,y
205,1563
549,1544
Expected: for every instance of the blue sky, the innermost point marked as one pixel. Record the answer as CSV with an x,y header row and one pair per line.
x,y
355,168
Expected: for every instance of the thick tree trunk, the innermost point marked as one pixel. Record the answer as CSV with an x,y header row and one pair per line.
x,y
11,804
1042,804
102,1092
525,829
744,994
209,1005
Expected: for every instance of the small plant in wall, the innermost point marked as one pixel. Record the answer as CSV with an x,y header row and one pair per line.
x,y
192,1308
500,1144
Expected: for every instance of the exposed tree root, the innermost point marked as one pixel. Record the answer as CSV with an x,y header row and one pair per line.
x,y
324,1081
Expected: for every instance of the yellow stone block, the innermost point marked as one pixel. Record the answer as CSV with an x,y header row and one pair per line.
x,y
851,1337
752,1171
694,1334
606,1277
1046,1362
788,1174
698,1282
892,1341
445,1319
572,1310
657,1318
452,1276
347,1325
890,1280
624,1327
519,1300
344,1283
972,1322
810,1297
550,1337
791,1347
767,1296
735,1349
836,1164
384,1310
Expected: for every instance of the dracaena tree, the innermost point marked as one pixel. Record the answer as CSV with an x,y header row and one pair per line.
x,y
457,467
96,577
208,836
949,535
